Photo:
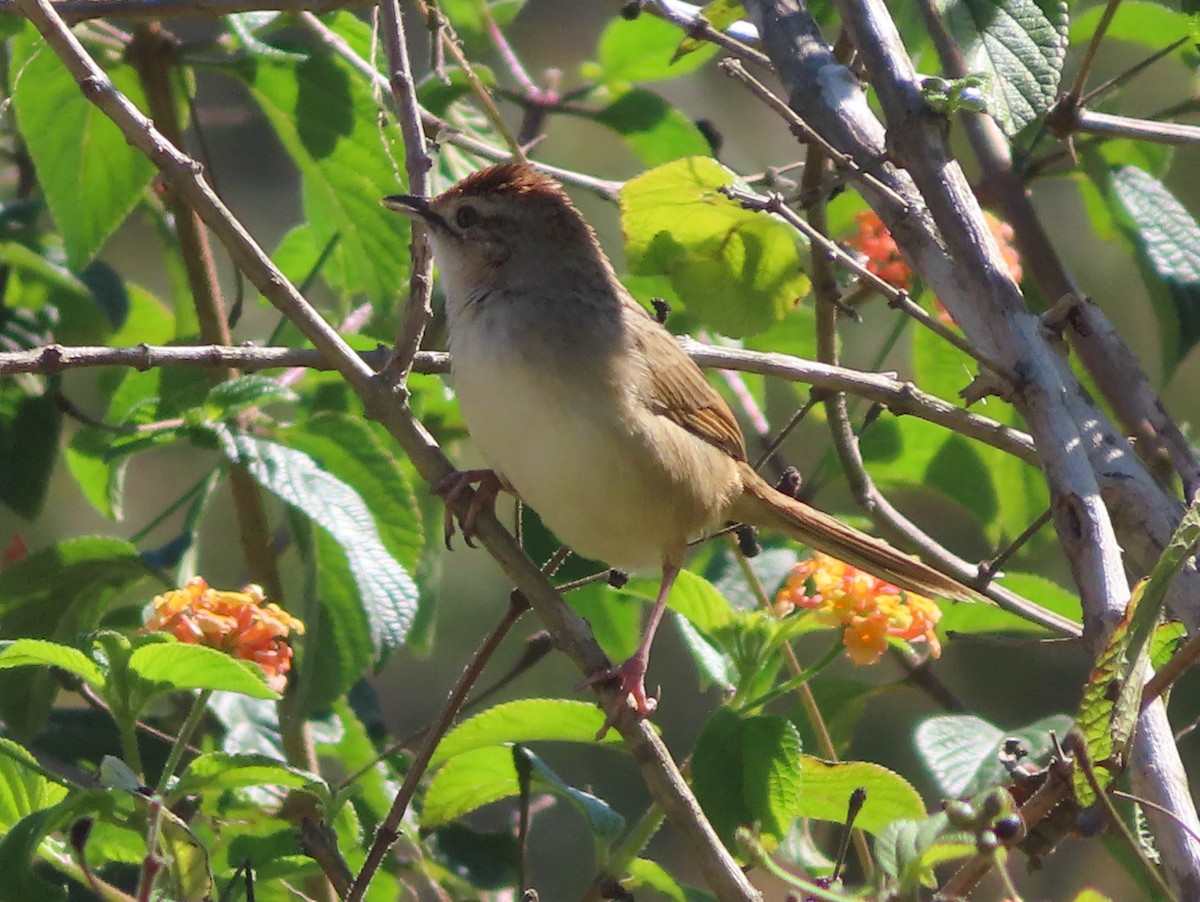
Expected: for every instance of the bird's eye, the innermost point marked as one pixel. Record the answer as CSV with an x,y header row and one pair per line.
x,y
466,217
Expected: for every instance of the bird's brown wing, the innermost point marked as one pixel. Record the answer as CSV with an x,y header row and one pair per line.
x,y
679,391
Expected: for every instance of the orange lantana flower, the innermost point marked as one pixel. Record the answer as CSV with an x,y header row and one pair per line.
x,y
240,623
875,242
867,609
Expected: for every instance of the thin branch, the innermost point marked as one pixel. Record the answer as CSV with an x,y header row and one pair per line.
x,y
387,833
443,130
901,398
896,297
693,23
81,10
570,632
417,163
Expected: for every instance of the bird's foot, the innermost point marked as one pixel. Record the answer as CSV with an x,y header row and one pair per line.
x,y
451,487
631,691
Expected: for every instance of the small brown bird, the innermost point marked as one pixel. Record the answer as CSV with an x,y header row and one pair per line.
x,y
588,409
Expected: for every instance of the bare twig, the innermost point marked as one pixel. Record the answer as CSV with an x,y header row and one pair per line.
x,y
82,10
387,833
901,398
443,130
696,26
417,162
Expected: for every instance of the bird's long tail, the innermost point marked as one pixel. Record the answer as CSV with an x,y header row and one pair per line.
x,y
762,505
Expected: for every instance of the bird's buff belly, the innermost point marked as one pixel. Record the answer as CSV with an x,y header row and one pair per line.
x,y
597,483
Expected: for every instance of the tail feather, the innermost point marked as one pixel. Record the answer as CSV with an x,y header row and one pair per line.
x,y
761,505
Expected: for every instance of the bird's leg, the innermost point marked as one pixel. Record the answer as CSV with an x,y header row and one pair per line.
x,y
632,673
452,486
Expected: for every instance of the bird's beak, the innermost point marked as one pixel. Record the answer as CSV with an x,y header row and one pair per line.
x,y
416,207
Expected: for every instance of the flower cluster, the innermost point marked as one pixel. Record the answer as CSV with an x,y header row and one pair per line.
x,y
240,623
884,260
867,609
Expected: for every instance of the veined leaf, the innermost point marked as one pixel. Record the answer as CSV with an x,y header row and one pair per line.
x,y
525,720
1019,46
736,271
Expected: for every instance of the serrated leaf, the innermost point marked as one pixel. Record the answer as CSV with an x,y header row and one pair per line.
x,y
962,751
387,592
29,432
1019,46
526,720
1167,238
746,770
231,397
176,667
77,151
736,271
642,50
42,653
656,131
325,116
828,786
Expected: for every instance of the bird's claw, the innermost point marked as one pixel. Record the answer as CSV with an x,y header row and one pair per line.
x,y
631,678
451,487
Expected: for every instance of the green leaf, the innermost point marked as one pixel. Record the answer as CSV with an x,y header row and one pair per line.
x,y
471,23
720,14
40,652
77,151
387,592
828,786
19,845
972,618
962,751
1138,21
29,430
526,720
326,117
24,788
736,271
473,779
959,471
692,596
643,50
176,667
217,772
606,825
229,398
653,876
746,770
1167,239
1019,46
657,132
58,592
101,481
